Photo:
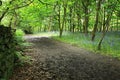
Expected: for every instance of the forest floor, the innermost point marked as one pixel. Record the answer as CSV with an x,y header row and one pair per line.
x,y
54,60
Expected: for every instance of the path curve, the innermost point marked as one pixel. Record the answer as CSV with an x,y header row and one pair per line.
x,y
54,60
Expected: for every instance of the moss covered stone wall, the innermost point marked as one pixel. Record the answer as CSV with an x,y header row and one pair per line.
x,y
7,51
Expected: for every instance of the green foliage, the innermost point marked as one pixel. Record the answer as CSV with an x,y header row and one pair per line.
x,y
19,37
19,32
37,14
21,45
109,46
20,59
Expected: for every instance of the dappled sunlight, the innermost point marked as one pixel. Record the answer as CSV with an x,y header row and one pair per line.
x,y
42,34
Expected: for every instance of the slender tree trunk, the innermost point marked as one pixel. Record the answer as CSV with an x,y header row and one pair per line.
x,y
73,20
79,26
97,19
59,21
86,21
86,4
105,28
64,19
103,32
70,27
117,22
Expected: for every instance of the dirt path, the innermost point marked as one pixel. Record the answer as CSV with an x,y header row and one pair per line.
x,y
53,60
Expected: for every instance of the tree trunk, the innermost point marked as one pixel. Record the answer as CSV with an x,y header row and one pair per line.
x,y
117,22
70,27
64,18
86,17
105,28
79,26
86,21
97,19
59,21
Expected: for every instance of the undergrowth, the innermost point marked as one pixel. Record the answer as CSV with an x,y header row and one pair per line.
x,y
21,45
110,44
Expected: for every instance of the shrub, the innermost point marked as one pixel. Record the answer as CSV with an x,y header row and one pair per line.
x,y
19,32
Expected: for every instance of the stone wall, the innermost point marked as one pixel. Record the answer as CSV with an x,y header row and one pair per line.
x,y
7,51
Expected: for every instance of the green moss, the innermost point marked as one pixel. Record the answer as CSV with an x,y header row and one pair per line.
x,y
7,51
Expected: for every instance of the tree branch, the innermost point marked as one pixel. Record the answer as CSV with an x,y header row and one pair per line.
x,y
0,3
3,14
44,2
23,5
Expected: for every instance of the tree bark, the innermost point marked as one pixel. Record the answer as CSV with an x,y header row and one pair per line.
x,y
97,19
86,19
70,27
59,21
64,18
105,28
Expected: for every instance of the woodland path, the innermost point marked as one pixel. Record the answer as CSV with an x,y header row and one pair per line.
x,y
54,60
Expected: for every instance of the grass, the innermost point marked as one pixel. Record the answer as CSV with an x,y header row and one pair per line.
x,y
110,45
